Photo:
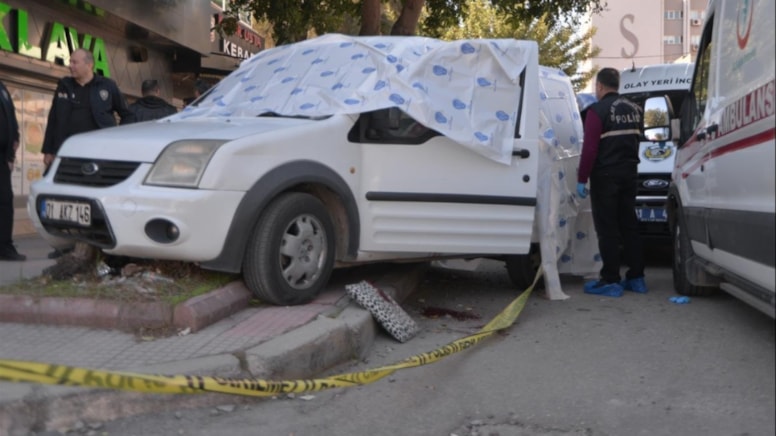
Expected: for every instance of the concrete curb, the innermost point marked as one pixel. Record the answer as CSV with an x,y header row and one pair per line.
x,y
195,313
342,334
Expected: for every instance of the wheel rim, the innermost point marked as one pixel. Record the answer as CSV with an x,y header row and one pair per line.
x,y
303,252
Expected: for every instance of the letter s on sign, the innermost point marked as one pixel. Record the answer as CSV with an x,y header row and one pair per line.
x,y
630,36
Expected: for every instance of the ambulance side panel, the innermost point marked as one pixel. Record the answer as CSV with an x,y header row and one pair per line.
x,y
724,172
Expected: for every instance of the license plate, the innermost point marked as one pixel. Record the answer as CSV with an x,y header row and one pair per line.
x,y
69,211
651,214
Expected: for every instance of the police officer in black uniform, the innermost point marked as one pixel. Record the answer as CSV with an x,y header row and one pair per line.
x,y
9,143
82,102
610,159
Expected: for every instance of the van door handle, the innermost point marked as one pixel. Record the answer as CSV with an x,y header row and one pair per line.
x,y
521,153
708,131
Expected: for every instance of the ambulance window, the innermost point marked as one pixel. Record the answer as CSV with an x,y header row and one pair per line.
x,y
700,86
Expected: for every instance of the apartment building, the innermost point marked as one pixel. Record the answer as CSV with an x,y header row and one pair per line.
x,y
637,33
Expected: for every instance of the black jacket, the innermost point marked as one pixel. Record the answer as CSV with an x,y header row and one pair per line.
x,y
151,107
9,133
105,99
620,133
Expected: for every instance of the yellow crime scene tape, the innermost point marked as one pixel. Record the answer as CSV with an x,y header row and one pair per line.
x,y
44,373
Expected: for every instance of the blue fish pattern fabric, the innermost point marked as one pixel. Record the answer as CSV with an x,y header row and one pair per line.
x,y
468,90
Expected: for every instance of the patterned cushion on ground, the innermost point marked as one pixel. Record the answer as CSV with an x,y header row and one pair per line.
x,y
385,309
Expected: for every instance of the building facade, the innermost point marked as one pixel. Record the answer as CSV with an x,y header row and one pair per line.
x,y
131,41
638,33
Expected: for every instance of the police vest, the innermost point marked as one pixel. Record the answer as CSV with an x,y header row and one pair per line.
x,y
621,122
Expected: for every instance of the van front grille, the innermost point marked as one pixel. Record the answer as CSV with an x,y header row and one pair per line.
x,y
92,172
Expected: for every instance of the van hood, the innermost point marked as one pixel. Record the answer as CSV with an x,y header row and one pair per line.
x,y
142,142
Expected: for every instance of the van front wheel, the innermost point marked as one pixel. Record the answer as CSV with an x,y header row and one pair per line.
x,y
682,253
290,253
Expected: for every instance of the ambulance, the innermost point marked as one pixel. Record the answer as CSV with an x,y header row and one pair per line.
x,y
722,198
657,151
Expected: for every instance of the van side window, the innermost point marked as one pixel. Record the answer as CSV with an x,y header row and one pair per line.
x,y
389,126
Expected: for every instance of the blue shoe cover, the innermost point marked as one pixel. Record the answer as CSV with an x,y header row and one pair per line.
x,y
680,300
635,285
606,289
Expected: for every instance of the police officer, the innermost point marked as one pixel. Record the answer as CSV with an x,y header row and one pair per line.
x,y
82,102
9,143
610,160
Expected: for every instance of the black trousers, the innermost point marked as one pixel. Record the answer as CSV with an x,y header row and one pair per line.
x,y
6,205
613,200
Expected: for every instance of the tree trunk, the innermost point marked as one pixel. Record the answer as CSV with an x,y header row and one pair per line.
x,y
370,17
79,261
85,252
407,23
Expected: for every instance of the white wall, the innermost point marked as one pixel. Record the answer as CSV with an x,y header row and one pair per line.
x,y
629,31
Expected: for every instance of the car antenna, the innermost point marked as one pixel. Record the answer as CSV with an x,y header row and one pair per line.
x,y
633,65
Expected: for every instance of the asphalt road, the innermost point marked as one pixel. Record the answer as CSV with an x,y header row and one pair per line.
x,y
636,365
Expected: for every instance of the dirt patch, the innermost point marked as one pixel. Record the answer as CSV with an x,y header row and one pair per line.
x,y
121,279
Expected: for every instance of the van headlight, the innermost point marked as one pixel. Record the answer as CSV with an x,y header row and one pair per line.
x,y
182,163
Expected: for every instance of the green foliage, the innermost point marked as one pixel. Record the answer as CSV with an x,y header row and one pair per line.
x,y
294,20
655,118
555,12
560,45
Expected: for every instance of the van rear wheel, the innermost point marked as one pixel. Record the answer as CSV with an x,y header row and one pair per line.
x,y
682,253
522,268
290,253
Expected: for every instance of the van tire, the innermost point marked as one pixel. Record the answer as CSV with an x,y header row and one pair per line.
x,y
683,252
296,274
522,268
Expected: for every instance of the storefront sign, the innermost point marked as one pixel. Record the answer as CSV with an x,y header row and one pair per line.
x,y
245,33
243,44
61,41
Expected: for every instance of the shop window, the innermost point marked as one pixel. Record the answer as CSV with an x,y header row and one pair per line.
x,y
32,108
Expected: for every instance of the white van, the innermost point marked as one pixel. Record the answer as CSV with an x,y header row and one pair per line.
x,y
330,152
656,152
721,201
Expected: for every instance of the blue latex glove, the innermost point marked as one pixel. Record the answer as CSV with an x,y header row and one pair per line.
x,y
581,190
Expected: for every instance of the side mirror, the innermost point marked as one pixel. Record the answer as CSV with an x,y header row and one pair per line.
x,y
676,128
394,116
657,126
386,119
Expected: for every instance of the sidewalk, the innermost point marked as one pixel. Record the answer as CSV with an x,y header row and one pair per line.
x,y
266,342
30,244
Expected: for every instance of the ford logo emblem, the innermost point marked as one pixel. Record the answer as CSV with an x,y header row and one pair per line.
x,y
90,169
655,184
